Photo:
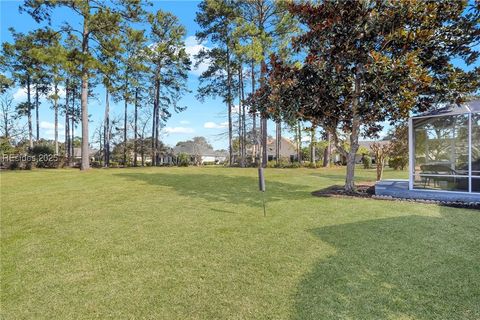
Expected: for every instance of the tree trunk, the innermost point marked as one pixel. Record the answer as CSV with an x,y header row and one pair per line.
x,y
240,139
327,151
5,119
244,125
299,136
72,119
29,114
142,150
349,179
125,134
278,146
254,119
154,125
55,108
380,165
37,121
125,114
85,165
67,122
106,131
229,106
135,151
263,118
354,135
157,122
312,148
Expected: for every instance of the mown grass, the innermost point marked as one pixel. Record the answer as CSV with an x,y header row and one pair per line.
x,y
192,243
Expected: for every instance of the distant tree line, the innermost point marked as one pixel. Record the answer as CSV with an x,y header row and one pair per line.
x,y
138,56
338,68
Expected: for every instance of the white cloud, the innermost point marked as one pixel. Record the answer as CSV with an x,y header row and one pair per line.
x,y
192,47
50,125
50,134
184,122
20,94
178,130
213,125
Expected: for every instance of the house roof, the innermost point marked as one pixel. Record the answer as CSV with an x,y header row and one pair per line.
x,y
451,109
77,152
287,147
368,144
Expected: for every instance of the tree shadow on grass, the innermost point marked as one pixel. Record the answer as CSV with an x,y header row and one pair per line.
x,y
411,267
222,188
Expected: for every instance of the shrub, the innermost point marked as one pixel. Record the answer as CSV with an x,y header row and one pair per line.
x,y
113,164
183,160
367,161
44,156
312,165
398,163
295,164
14,165
96,164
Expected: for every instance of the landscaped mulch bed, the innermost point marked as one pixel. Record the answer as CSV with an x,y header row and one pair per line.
x,y
367,190
364,190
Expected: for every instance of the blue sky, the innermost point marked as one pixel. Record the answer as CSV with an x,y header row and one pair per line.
x,y
206,119
200,119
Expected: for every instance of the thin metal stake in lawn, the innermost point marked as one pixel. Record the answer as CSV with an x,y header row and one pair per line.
x,y
261,186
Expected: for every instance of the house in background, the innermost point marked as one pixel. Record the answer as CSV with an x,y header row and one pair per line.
x,y
200,153
288,150
77,154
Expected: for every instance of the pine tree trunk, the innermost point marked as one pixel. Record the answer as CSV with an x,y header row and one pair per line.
x,y
229,106
29,114
154,125
125,134
55,107
157,131
240,141
263,118
254,120
72,127
135,138
67,123
37,121
106,131
142,150
244,125
85,164
157,121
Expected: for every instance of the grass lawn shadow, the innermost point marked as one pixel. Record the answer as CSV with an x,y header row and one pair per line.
x,y
222,188
411,267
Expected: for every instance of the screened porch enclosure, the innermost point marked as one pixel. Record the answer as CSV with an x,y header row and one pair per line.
x,y
445,149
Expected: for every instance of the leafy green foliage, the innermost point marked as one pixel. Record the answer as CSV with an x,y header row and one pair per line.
x,y
367,161
370,62
183,159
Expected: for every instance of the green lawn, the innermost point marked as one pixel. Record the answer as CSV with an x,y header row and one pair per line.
x,y
192,243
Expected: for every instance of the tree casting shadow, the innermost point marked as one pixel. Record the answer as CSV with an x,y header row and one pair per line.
x,y
222,188
411,267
